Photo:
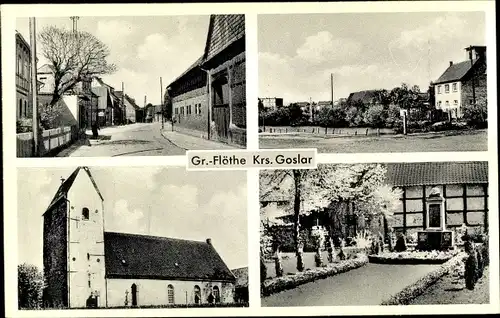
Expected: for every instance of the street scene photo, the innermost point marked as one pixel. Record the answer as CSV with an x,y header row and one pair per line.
x,y
129,86
131,237
373,82
375,234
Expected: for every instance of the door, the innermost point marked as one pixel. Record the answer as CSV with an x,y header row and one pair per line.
x,y
221,119
134,294
220,97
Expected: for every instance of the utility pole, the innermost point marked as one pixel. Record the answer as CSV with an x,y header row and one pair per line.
x,y
332,89
162,106
123,105
473,75
34,88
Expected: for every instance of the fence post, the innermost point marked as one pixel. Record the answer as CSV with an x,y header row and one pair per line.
x,y
367,131
356,132
378,132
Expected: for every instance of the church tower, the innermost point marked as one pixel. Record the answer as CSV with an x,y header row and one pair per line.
x,y
73,251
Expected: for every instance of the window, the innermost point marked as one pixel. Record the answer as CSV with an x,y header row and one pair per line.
x,y
439,89
85,213
25,109
439,103
455,102
447,103
20,108
454,87
19,66
216,294
447,88
176,111
197,294
170,294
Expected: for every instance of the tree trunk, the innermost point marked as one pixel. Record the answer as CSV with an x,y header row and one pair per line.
x,y
297,176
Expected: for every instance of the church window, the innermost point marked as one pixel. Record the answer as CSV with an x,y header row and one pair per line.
x,y
170,289
85,213
216,294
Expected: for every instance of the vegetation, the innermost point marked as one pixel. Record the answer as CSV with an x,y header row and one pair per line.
x,y
30,286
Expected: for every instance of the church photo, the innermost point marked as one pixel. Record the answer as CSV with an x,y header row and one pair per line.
x,y
131,237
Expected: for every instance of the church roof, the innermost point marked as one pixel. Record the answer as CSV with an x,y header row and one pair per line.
x,y
152,257
434,173
66,186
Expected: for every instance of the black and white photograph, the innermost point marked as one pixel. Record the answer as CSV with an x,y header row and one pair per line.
x,y
375,234
131,237
373,82
125,85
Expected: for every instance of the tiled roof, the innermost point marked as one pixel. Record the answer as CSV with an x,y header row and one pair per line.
x,y
66,186
241,275
363,96
435,173
153,257
223,30
197,63
455,72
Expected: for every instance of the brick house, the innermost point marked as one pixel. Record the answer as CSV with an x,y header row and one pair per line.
x,y
23,78
458,84
464,186
84,265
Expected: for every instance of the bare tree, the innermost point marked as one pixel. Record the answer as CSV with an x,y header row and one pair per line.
x,y
73,56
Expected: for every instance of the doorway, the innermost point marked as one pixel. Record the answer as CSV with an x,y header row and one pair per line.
x,y
134,294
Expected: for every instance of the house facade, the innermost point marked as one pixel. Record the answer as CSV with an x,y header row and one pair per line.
x,y
271,102
224,60
109,109
461,83
23,78
86,266
464,186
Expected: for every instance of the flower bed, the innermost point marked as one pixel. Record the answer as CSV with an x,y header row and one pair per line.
x,y
413,257
278,284
405,296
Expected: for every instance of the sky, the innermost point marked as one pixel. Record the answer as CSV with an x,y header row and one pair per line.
x,y
157,201
298,53
143,48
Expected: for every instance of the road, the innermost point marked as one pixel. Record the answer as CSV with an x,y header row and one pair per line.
x,y
368,285
139,140
462,141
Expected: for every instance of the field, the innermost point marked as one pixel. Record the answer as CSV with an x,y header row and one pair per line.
x,y
470,140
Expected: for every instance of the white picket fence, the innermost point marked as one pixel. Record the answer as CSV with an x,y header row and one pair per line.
x,y
50,139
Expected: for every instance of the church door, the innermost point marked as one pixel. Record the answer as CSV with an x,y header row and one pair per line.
x,y
134,295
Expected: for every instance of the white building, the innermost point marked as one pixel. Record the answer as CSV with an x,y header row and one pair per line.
x,y
85,266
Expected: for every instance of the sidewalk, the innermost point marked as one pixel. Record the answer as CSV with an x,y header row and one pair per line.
x,y
188,142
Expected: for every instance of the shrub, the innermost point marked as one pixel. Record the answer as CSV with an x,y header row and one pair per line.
x,y
375,116
263,270
30,286
400,243
24,125
476,115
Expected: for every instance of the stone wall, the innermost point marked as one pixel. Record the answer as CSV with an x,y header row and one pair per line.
x,y
55,256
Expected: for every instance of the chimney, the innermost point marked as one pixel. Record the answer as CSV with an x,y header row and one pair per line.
x,y
451,63
209,241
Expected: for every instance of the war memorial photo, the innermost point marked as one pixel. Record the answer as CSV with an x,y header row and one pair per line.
x,y
131,237
373,82
375,234
121,86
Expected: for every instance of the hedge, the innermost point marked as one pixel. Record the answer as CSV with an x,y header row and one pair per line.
x,y
409,293
412,258
278,284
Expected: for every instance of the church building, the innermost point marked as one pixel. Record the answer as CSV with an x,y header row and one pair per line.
x,y
86,266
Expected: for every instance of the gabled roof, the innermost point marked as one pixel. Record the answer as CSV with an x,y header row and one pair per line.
x,y
455,72
45,69
64,188
223,30
196,64
152,257
435,173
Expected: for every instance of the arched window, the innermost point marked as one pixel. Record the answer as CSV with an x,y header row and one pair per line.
x,y
85,213
197,294
170,294
216,294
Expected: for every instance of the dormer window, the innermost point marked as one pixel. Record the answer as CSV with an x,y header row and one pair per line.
x,y
85,213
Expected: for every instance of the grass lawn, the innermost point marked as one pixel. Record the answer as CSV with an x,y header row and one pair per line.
x,y
470,140
451,290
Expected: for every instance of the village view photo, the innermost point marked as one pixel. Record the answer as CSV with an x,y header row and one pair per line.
x,y
119,86
375,234
148,237
373,82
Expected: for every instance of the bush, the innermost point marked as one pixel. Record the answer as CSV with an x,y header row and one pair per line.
x,y
30,286
375,116
24,125
476,115
400,243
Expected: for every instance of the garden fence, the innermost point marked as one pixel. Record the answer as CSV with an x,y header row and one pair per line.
x,y
50,140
